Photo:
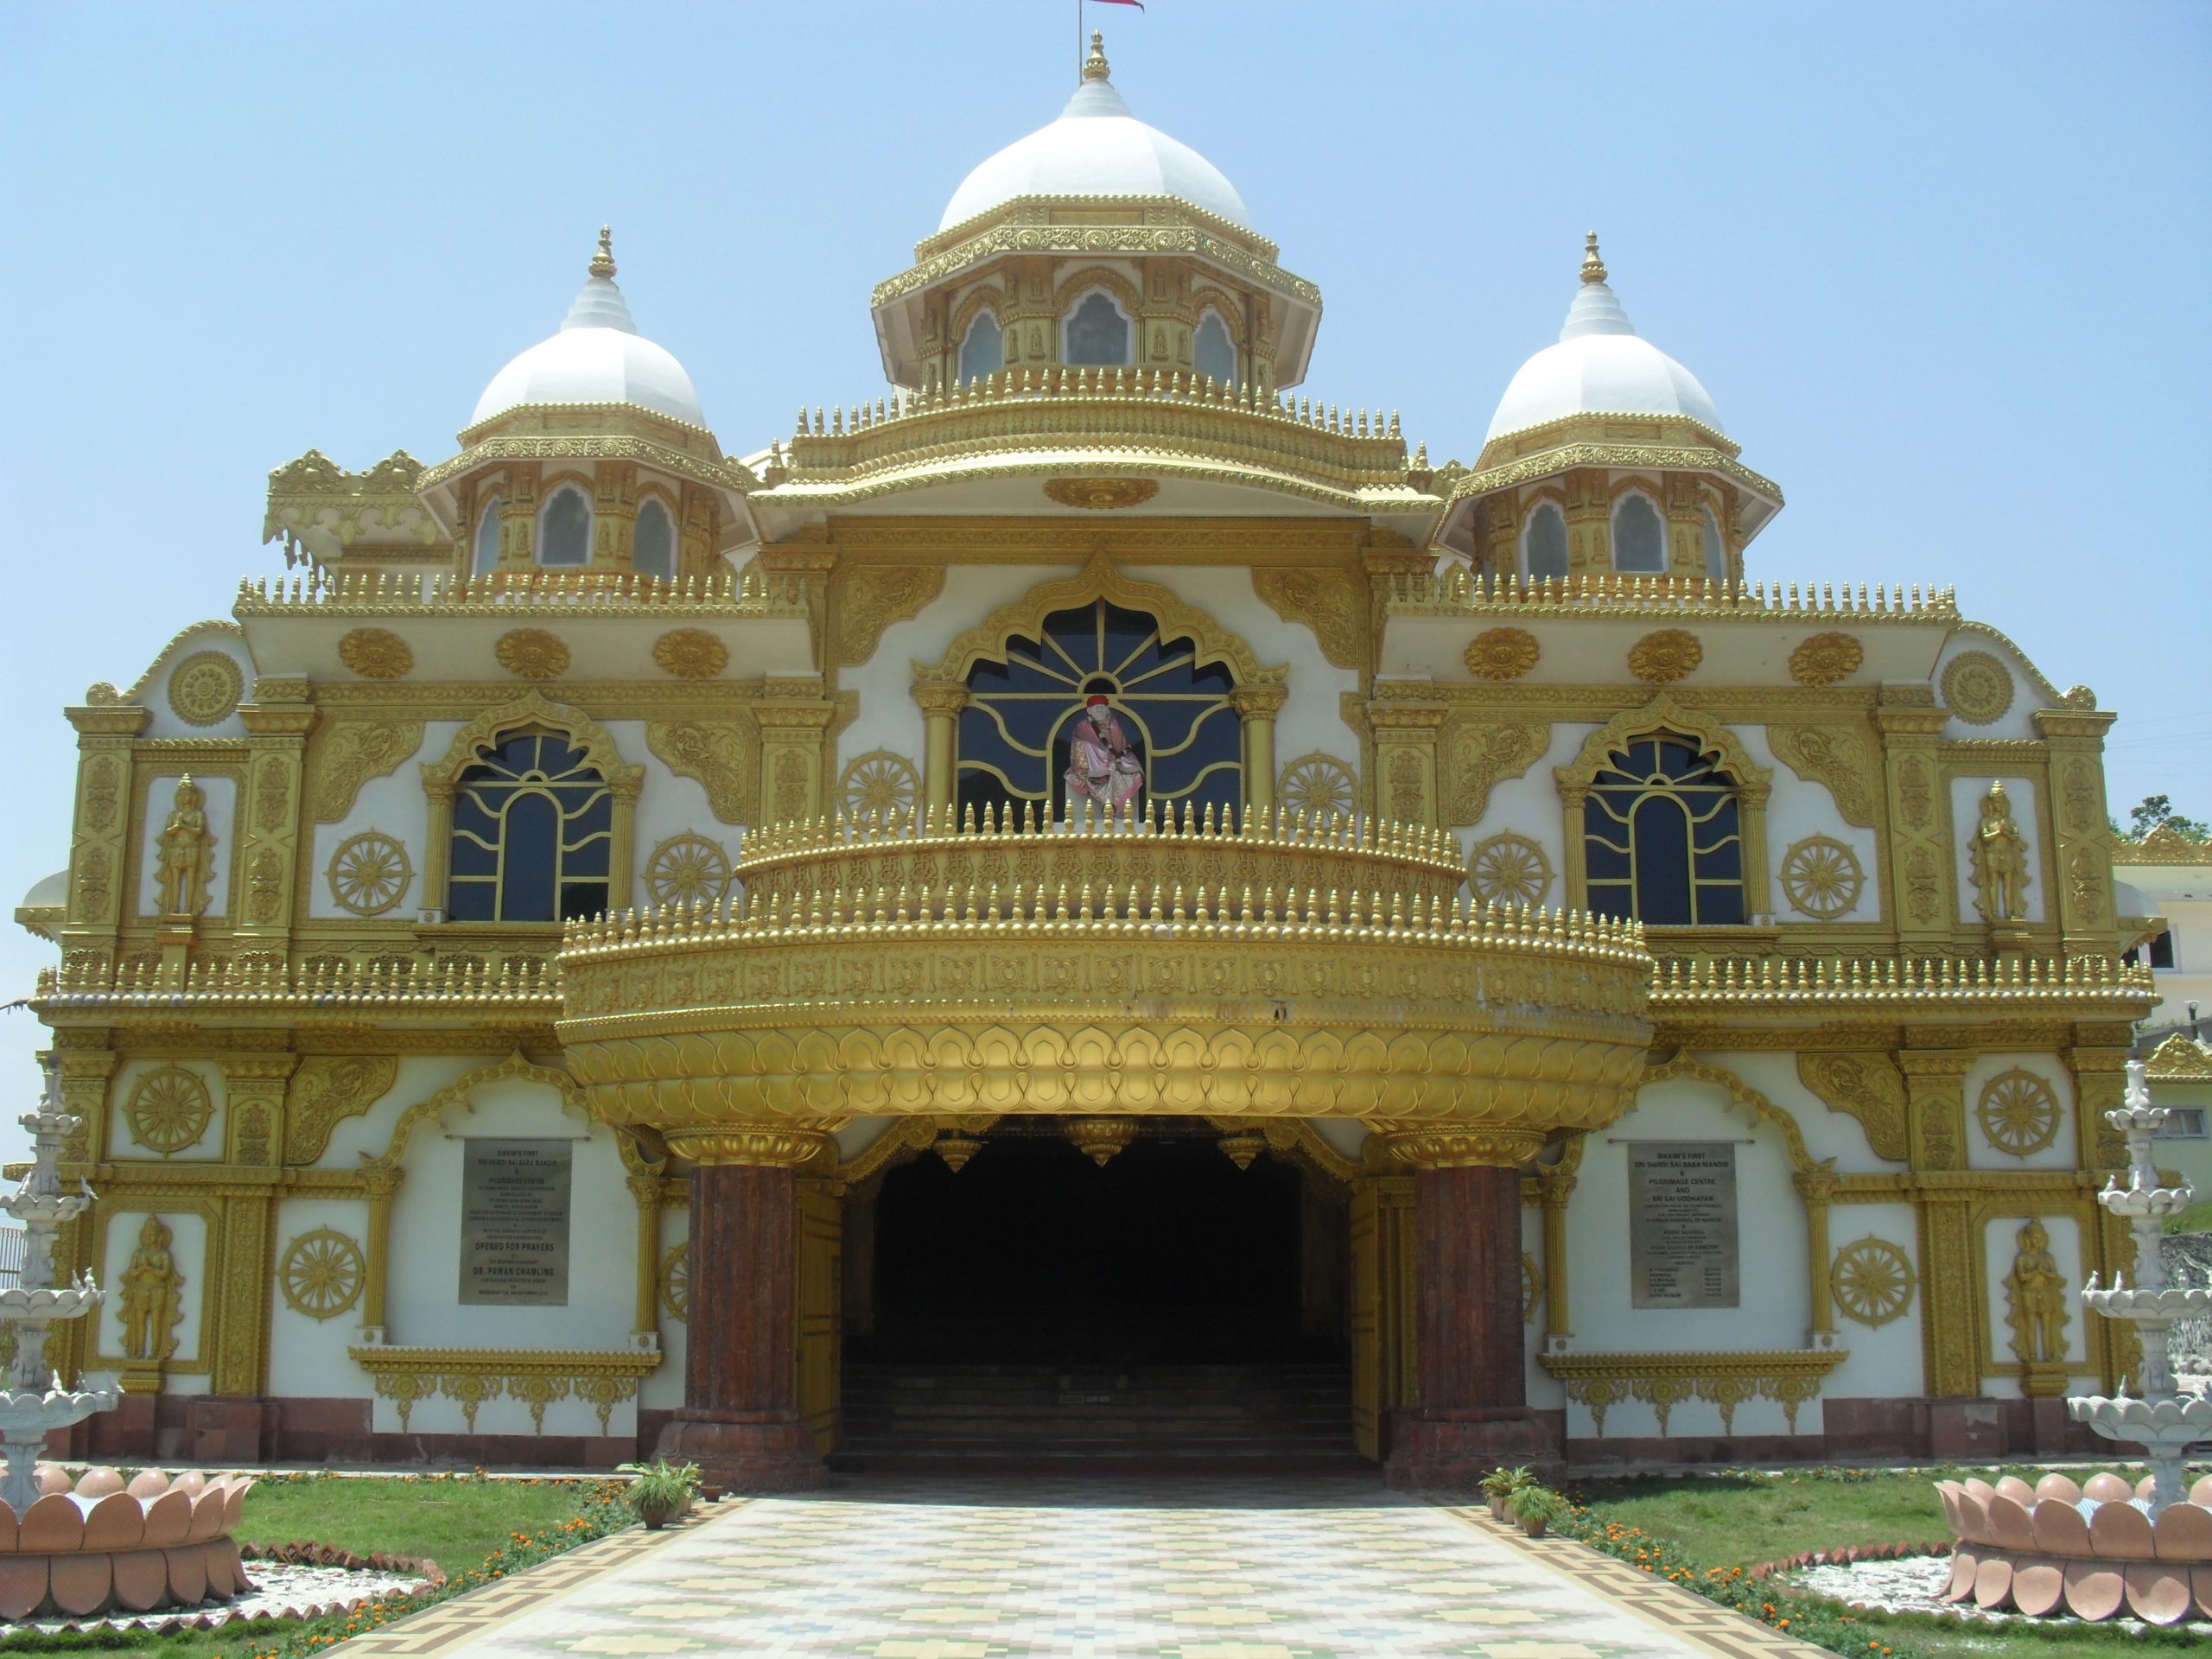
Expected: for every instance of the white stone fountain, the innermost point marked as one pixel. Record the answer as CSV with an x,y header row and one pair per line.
x,y
34,1402
2164,1422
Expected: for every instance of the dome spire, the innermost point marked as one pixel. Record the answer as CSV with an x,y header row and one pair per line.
x,y
1594,268
599,303
602,263
1094,66
1595,310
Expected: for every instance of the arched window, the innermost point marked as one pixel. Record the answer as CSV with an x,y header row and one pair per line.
x,y
533,826
564,527
1017,733
1639,536
1662,836
486,556
1716,551
982,350
1097,331
653,548
1213,352
1543,543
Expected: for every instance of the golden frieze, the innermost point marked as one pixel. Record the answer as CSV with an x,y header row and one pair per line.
x,y
1102,494
376,654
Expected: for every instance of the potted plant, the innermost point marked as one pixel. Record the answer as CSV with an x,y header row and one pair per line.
x,y
1536,1508
1499,1486
660,1491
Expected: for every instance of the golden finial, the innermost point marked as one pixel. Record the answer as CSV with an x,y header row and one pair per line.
x,y
1094,66
1594,268
602,263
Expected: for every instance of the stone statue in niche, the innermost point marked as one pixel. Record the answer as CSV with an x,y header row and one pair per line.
x,y
153,1296
2035,1295
1102,768
184,862
2000,860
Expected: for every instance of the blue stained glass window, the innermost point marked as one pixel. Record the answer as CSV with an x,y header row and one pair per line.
x,y
1662,836
533,823
1015,733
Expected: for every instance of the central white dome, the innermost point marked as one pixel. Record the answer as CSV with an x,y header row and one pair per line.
x,y
1601,365
599,356
1096,149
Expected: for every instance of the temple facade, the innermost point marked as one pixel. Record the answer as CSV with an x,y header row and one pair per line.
x,y
1099,876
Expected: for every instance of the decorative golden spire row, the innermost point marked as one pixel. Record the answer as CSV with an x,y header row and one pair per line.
x,y
1094,66
1594,268
602,263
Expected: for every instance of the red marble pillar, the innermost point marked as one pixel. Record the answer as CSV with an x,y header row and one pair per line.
x,y
1473,1412
740,1421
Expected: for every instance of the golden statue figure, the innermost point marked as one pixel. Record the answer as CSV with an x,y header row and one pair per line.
x,y
2000,860
153,1296
185,863
2035,1293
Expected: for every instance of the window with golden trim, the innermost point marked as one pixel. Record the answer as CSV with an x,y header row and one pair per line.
x,y
533,832
1663,838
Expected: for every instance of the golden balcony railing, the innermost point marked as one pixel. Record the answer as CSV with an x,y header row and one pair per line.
x,y
1264,969
723,592
1462,592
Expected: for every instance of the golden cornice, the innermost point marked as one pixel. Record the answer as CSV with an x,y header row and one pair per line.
x,y
465,699
1615,457
488,452
570,595
1786,1362
1545,437
2179,1059
1463,593
1205,236
2163,846
2079,987
560,421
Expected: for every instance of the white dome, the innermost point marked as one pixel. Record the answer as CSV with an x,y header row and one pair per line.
x,y
599,356
1096,149
1600,367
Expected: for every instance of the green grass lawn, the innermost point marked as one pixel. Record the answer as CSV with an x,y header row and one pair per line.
x,y
454,1522
1745,1520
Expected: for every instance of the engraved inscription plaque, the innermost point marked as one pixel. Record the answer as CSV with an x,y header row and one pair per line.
x,y
514,1222
1681,1223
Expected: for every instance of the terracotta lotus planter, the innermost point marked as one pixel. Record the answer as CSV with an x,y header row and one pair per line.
x,y
100,1546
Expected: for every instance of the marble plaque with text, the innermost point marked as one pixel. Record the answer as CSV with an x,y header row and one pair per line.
x,y
1681,1223
514,1222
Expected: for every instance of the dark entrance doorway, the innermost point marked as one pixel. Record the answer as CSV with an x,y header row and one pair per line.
x,y
1037,1307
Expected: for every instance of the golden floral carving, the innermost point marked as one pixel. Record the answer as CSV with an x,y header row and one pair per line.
x,y
376,654
871,598
1825,659
533,654
169,1110
688,869
1664,656
721,758
2019,1111
272,794
689,654
1485,752
1838,759
1977,688
1508,868
369,873
1872,1281
1868,1087
206,688
1916,794
1502,653
1330,602
1821,877
352,753
1102,494
322,1274
325,1091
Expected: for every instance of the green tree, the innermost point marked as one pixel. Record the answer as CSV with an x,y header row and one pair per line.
x,y
2153,811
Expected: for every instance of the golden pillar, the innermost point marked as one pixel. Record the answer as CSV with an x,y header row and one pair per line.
x,y
1817,1187
792,716
1257,705
379,1182
1917,813
1405,759
941,701
1384,1258
2080,860
1952,1339
644,1190
101,862
264,875
1555,1184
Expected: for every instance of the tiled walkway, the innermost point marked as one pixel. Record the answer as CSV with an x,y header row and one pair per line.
x,y
1295,1569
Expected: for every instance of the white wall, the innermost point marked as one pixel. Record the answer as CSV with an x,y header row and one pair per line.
x,y
1827,1134
394,804
1797,809
307,1356
1885,1360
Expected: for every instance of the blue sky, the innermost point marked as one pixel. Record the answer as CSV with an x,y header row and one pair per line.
x,y
1942,266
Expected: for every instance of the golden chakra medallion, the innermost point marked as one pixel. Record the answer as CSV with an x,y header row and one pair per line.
x,y
376,654
1101,493
690,654
1661,659
1502,653
1825,659
1872,1280
533,654
1977,688
206,688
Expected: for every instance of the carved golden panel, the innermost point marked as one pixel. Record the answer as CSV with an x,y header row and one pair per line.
x,y
169,1110
1332,602
350,754
1868,1087
723,758
1102,494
